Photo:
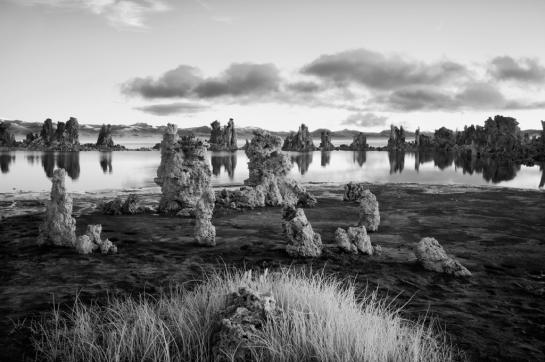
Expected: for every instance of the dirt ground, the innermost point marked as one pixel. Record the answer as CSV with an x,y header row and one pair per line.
x,y
498,234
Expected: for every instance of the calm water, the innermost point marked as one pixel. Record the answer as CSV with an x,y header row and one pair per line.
x,y
92,171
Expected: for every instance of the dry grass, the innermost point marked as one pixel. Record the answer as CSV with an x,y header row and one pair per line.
x,y
320,320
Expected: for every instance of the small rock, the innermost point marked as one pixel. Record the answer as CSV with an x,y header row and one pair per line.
x,y
354,240
369,212
433,257
302,240
84,245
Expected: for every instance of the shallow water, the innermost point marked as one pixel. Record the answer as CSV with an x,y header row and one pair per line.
x,y
28,171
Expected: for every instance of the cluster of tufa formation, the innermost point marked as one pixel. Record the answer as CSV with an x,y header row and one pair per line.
x,y
396,141
184,173
7,139
63,138
421,140
245,314
354,240
433,257
359,143
104,139
300,141
59,227
92,240
325,144
302,240
369,210
268,183
223,139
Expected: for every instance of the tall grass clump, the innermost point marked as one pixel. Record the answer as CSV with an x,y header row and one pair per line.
x,y
319,319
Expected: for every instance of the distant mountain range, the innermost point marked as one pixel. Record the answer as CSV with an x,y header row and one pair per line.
x,y
144,130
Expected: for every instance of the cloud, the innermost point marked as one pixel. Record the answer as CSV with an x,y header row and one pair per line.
x,y
365,120
524,70
240,79
172,108
377,71
119,13
304,87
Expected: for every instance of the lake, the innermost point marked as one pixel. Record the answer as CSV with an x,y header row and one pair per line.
x,y
29,171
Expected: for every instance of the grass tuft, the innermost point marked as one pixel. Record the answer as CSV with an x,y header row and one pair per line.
x,y
320,319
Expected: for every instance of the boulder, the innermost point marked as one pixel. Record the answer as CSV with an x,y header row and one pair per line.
x,y
325,144
184,173
359,143
205,232
114,207
300,141
353,191
118,206
84,245
59,227
245,314
369,212
130,206
431,255
105,139
354,240
302,240
223,139
92,240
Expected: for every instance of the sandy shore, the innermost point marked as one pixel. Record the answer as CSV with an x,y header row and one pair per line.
x,y
499,234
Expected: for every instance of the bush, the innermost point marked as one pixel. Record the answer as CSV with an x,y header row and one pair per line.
x,y
320,319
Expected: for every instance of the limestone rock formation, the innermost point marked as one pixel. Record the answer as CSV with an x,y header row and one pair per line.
x,y
205,232
92,240
64,138
300,141
396,141
223,139
59,227
47,133
433,257
71,131
444,139
302,240
184,173
369,212
353,191
7,139
353,240
359,143
421,140
325,144
244,198
245,314
104,139
130,206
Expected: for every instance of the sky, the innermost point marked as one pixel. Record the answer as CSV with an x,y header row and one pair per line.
x,y
274,64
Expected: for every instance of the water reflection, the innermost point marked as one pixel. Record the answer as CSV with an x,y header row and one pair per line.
x,y
397,161
422,157
227,160
106,162
443,159
48,163
325,158
542,169
5,160
359,157
70,162
303,161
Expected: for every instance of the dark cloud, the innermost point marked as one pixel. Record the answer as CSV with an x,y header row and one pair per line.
x,y
177,82
480,96
244,79
365,120
304,87
417,98
172,108
523,70
377,71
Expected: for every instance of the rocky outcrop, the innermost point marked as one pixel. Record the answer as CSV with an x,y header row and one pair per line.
x,y
71,132
7,139
396,141
184,173
92,240
104,139
354,240
64,138
59,227
325,144
223,139
433,257
47,134
118,206
302,240
359,143
369,212
422,140
268,183
205,232
444,139
244,316
353,191
300,141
